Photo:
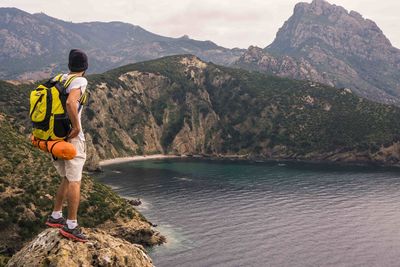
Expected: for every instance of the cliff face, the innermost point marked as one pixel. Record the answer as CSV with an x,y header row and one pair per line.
x,y
335,47
33,46
148,113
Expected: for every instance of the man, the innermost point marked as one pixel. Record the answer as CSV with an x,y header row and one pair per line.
x,y
71,170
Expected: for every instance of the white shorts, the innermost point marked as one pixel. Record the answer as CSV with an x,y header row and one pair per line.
x,y
72,169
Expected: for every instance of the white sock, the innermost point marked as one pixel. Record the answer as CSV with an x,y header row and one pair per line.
x,y
56,214
72,224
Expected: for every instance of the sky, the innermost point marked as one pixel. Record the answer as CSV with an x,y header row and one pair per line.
x,y
229,23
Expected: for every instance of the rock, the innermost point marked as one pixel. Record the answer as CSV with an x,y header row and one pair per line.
x,y
134,231
135,202
49,248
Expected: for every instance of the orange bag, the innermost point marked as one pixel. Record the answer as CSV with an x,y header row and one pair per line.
x,y
58,148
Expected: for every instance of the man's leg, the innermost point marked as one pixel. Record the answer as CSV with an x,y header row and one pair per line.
x,y
56,219
74,170
73,196
71,229
61,195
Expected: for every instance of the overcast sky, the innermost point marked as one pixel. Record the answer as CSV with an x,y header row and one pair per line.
x,y
230,23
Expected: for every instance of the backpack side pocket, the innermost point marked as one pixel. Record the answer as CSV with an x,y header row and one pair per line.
x,y
62,125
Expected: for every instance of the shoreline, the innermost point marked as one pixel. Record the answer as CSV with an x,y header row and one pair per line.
x,y
246,158
136,158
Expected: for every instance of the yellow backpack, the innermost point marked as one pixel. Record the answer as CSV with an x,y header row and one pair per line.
x,y
48,111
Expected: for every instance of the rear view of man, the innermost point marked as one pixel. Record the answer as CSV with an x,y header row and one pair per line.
x,y
71,170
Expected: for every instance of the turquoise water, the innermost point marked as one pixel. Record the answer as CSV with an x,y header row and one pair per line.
x,y
266,214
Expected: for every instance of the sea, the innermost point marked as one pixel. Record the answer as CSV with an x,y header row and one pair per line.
x,y
238,213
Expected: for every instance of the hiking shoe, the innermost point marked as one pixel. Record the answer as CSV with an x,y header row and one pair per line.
x,y
55,223
74,234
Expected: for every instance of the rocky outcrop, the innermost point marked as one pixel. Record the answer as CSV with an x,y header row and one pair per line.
x,y
35,45
134,231
49,248
326,43
258,59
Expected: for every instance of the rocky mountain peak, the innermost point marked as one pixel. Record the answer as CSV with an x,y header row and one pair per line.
x,y
318,7
332,25
333,46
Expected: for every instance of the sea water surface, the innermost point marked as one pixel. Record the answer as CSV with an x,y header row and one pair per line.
x,y
217,213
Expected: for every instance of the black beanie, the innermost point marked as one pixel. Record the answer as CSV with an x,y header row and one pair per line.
x,y
78,61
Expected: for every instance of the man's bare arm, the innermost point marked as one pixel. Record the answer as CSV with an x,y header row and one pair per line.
x,y
72,111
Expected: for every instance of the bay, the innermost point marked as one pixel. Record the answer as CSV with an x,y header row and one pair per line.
x,y
234,213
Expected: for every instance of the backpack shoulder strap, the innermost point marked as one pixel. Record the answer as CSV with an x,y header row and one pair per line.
x,y
69,81
58,77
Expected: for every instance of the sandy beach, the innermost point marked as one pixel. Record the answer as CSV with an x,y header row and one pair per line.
x,y
136,158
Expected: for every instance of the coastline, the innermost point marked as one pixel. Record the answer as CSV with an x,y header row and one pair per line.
x,y
136,158
364,163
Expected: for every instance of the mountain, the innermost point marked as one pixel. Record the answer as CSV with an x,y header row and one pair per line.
x,y
182,105
326,43
32,46
28,182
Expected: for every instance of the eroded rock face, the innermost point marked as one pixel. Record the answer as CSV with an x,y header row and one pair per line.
x,y
143,114
49,248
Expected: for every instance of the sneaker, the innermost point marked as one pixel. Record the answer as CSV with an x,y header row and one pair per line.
x,y
75,234
56,223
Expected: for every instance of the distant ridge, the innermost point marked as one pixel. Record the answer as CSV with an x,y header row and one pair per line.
x,y
35,45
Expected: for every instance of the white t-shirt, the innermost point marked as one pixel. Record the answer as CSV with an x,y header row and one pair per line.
x,y
81,83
